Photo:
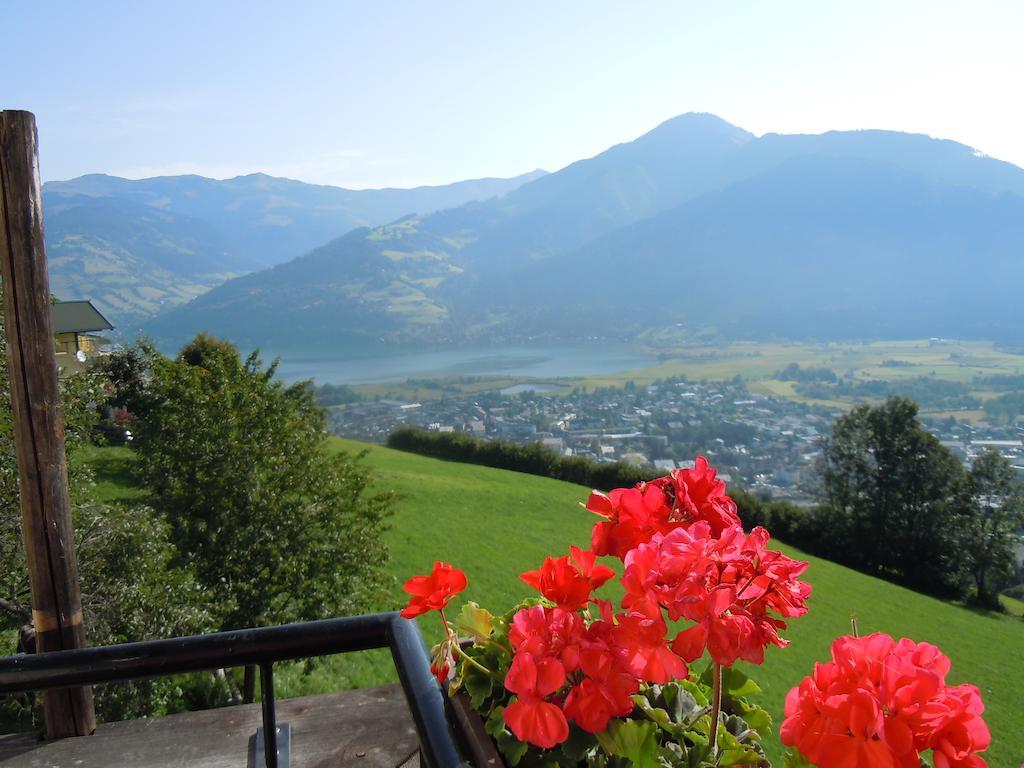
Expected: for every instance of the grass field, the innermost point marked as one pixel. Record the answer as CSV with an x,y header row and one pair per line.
x,y
496,524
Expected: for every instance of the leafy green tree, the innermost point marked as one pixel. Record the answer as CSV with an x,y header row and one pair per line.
x,y
991,529
128,371
278,527
130,588
892,498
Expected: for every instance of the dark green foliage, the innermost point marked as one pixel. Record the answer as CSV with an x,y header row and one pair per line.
x,y
1001,382
990,532
892,499
793,372
1016,591
335,394
128,371
1005,409
277,529
130,589
531,458
928,392
782,519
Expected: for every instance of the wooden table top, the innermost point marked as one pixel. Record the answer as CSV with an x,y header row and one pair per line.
x,y
364,728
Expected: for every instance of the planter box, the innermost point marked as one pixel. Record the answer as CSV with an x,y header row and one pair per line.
x,y
476,742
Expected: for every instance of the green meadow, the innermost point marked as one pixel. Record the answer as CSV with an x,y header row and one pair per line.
x,y
495,524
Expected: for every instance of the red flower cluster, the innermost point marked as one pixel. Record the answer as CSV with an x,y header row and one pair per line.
x,y
433,591
882,703
684,551
569,581
685,556
565,669
727,583
634,515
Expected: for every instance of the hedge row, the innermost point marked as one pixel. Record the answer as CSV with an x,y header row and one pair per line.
x,y
783,520
531,458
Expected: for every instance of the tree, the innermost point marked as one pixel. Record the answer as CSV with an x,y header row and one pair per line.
x,y
892,498
128,371
278,527
991,529
130,589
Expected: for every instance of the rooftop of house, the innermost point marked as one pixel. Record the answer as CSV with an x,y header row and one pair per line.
x,y
78,317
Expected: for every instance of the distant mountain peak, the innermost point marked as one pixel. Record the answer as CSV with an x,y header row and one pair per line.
x,y
689,123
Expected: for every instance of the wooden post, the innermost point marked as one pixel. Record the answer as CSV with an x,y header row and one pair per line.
x,y
38,428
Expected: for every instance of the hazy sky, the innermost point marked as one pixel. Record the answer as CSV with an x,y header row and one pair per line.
x,y
382,93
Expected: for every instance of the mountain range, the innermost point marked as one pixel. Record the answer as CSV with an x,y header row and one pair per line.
x,y
139,247
697,225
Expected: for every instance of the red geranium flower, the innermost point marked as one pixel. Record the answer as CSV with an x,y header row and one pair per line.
x,y
958,730
727,583
433,591
640,642
608,686
568,582
883,703
553,632
696,494
530,717
634,516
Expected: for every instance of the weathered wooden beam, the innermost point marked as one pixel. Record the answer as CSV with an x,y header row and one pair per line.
x,y
38,428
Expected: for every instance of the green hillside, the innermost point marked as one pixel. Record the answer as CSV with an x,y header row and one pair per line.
x,y
495,524
139,247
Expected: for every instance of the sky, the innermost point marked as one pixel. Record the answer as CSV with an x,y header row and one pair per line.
x,y
393,93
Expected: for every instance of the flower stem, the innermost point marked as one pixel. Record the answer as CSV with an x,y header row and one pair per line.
x,y
716,704
473,662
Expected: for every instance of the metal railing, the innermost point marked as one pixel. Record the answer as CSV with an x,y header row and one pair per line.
x,y
261,647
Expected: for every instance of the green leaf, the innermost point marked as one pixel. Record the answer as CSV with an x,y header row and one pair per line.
x,y
735,683
475,620
579,746
756,717
636,741
478,685
702,695
673,708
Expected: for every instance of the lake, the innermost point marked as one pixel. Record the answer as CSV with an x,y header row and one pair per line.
x,y
541,362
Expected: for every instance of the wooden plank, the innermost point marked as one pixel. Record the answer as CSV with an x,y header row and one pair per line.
x,y
38,429
365,728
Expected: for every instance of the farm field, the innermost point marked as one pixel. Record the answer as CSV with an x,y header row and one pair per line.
x,y
945,358
758,363
961,362
495,524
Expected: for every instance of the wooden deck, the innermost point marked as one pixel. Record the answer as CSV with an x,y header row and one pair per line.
x,y
368,728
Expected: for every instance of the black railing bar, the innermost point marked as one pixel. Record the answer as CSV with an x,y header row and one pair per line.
x,y
426,701
156,658
269,714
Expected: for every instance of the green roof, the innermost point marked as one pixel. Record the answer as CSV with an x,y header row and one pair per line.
x,y
78,317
